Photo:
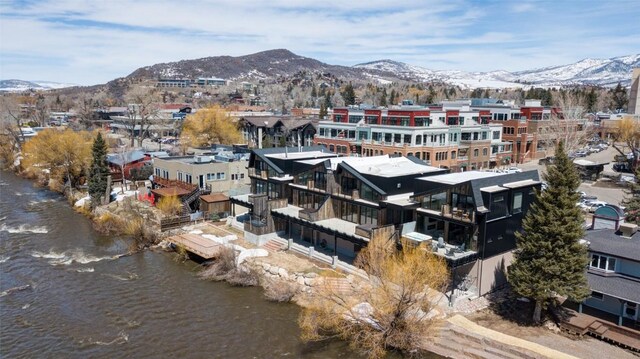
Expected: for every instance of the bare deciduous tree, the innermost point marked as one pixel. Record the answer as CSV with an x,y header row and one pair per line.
x,y
393,310
143,110
567,123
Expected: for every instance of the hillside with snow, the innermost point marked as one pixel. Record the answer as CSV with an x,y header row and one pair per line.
x,y
601,72
21,85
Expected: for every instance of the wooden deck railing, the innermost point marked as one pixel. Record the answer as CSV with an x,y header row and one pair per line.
x,y
174,183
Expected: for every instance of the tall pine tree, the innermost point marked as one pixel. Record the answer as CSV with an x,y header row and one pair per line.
x,y
349,95
632,200
549,260
99,171
383,98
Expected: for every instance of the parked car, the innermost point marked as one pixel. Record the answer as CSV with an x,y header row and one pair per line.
x,y
622,167
512,170
595,205
581,153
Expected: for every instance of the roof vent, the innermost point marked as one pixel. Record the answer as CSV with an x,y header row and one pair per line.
x,y
628,229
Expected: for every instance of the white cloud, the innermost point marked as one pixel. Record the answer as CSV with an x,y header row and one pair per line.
x,y
94,42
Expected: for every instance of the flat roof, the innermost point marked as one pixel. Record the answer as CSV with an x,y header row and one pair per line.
x,y
313,161
386,166
300,155
519,184
460,177
492,189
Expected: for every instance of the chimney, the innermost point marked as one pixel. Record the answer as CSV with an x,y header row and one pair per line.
x,y
628,229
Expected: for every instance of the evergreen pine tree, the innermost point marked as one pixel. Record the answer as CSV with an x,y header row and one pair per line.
x,y
383,98
632,201
327,100
99,171
314,92
591,100
619,97
323,111
392,97
548,259
349,95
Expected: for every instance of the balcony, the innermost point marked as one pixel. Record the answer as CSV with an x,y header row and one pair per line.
x,y
253,172
462,215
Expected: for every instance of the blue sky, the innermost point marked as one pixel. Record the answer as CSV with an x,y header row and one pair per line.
x,y
90,42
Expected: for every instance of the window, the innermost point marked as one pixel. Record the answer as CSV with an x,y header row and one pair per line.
x,y
517,203
607,264
496,135
597,295
242,176
485,152
210,177
188,178
498,206
220,176
157,172
476,152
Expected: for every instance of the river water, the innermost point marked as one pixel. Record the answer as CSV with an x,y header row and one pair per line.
x,y
65,293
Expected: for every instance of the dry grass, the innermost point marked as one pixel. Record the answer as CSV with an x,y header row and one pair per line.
x,y
108,223
280,290
143,236
169,206
224,268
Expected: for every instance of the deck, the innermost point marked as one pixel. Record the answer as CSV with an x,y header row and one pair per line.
x,y
581,324
196,244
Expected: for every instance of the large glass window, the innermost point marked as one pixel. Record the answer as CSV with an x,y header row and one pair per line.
x,y
320,180
348,184
368,215
368,193
435,201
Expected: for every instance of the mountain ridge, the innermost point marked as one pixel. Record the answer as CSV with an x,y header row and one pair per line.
x,y
277,64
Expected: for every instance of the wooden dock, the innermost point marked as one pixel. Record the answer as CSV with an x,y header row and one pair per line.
x,y
196,244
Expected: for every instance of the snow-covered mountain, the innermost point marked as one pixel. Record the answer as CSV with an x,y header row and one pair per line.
x,y
603,72
21,85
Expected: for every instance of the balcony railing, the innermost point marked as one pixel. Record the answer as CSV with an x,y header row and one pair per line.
x,y
464,215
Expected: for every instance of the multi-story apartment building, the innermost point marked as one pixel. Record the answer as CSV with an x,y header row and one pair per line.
x,y
451,138
614,274
216,173
277,131
462,134
471,219
334,204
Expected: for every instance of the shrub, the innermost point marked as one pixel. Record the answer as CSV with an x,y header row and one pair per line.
x,y
225,268
169,206
280,290
108,223
142,235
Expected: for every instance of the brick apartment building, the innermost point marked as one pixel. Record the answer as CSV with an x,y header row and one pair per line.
x,y
460,135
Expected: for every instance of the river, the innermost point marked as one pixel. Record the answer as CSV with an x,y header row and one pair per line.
x,y
73,297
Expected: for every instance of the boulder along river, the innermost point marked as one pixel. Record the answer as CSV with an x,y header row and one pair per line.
x,y
66,292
